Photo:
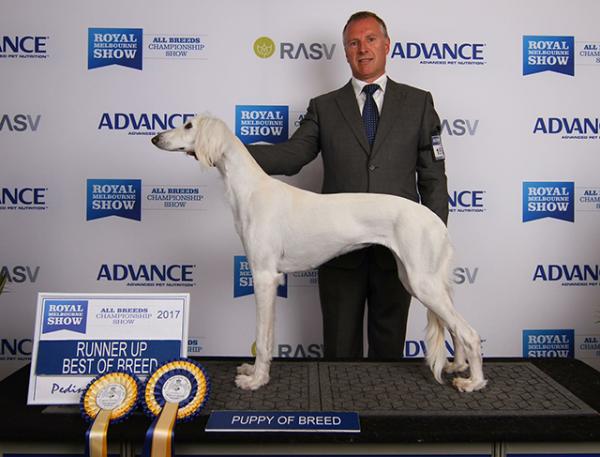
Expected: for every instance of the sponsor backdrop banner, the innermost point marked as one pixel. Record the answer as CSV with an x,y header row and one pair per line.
x,y
89,205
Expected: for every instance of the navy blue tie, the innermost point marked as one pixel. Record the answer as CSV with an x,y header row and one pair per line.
x,y
370,113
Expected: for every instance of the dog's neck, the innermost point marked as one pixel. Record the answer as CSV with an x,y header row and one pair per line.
x,y
240,172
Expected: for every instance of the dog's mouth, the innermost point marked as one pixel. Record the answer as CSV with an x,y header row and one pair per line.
x,y
190,153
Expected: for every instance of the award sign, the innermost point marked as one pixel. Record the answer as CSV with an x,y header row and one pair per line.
x,y
80,336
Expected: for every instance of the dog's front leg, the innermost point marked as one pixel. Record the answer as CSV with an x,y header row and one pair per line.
x,y
251,377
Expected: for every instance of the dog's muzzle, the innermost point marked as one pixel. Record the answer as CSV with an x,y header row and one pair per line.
x,y
155,139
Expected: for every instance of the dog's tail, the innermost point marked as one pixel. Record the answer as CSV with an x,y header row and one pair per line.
x,y
436,345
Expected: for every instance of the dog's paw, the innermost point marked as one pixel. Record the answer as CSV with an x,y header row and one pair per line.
x,y
246,369
453,367
252,382
468,384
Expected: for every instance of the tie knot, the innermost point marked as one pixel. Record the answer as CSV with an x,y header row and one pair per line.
x,y
370,89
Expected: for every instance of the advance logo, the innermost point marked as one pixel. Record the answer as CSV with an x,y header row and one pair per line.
x,y
254,123
548,343
23,47
549,199
441,53
548,53
114,46
114,197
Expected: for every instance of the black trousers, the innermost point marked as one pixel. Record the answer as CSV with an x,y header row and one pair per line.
x,y
344,293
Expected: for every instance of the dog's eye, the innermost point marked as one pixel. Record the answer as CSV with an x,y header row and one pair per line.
x,y
188,126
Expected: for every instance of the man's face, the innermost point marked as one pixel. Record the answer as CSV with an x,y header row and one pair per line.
x,y
366,49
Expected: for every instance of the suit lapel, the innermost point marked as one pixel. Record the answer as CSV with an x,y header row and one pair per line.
x,y
390,112
347,104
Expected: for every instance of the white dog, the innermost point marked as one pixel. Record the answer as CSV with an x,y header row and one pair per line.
x,y
285,229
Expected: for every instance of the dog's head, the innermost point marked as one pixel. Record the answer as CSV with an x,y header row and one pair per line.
x,y
202,137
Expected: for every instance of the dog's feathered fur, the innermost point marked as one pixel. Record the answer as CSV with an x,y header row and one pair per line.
x,y
285,229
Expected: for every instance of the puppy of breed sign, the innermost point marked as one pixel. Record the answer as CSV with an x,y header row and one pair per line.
x,y
80,336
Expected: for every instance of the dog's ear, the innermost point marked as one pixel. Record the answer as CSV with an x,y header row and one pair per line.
x,y
210,141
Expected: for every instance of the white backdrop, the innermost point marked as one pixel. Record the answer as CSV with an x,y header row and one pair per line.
x,y
69,120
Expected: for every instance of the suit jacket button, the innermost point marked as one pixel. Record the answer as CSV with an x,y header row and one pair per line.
x,y
372,167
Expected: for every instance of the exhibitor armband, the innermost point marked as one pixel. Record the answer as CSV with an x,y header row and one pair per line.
x,y
438,149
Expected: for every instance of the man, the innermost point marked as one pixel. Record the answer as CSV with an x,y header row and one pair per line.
x,y
391,151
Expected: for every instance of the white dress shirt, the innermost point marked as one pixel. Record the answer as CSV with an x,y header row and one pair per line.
x,y
358,85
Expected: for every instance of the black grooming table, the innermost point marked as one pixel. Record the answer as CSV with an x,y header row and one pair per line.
x,y
526,400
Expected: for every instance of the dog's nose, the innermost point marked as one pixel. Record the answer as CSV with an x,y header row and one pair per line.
x,y
155,139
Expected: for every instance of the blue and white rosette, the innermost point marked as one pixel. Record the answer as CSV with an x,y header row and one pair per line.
x,y
108,398
176,392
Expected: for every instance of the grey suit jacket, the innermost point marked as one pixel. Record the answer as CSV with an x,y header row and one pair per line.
x,y
401,161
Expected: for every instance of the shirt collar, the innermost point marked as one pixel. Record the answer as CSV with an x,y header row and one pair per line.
x,y
358,85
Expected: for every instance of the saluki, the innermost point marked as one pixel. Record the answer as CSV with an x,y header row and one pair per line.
x,y
284,229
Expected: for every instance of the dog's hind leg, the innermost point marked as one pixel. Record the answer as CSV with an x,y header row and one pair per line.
x,y
251,377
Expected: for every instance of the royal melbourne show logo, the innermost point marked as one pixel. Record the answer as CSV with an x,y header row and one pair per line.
x,y
243,281
114,197
460,127
65,315
549,53
548,199
115,46
254,123
549,343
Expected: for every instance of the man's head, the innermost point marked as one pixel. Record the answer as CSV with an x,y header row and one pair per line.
x,y
366,43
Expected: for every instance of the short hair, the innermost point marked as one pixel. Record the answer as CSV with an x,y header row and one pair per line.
x,y
365,15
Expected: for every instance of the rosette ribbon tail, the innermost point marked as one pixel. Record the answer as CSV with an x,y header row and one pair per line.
x,y
95,437
161,434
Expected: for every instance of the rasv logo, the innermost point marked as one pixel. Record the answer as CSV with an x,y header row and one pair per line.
x,y
300,350
264,47
460,127
20,122
19,274
464,275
